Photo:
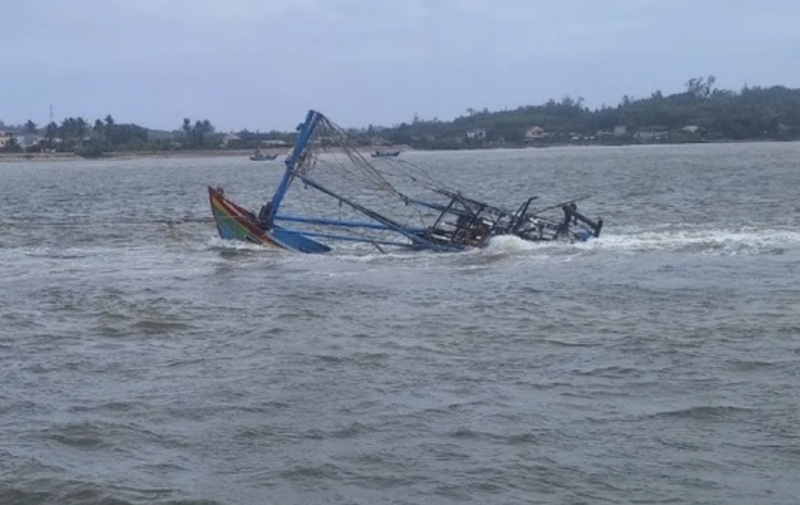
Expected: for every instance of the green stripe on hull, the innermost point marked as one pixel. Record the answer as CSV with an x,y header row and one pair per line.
x,y
231,228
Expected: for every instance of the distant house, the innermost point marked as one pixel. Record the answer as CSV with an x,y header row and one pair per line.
x,y
691,129
477,134
534,133
228,138
5,138
274,143
620,131
325,140
651,135
28,140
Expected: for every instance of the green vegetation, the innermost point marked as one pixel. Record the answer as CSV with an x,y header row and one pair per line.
x,y
701,113
76,135
12,146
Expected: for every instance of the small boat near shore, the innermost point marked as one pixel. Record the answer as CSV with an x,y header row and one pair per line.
x,y
385,154
259,156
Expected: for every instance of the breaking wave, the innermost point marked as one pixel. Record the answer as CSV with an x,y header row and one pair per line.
x,y
718,242
513,244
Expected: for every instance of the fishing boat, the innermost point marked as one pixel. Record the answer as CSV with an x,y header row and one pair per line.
x,y
385,154
259,156
330,195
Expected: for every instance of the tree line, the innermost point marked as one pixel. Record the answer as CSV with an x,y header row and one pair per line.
x,y
75,134
701,112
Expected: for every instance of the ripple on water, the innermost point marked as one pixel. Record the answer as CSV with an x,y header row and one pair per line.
x,y
156,365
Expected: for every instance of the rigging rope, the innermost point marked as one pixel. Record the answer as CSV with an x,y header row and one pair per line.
x,y
347,170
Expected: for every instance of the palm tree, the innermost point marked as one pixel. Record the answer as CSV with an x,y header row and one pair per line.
x,y
109,126
187,131
30,127
50,132
65,131
199,132
81,128
203,129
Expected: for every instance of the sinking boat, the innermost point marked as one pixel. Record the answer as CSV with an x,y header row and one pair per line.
x,y
259,156
385,154
329,193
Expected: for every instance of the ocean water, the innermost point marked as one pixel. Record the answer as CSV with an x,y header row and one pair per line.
x,y
145,361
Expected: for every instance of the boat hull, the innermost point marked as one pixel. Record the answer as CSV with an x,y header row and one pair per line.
x,y
236,223
385,154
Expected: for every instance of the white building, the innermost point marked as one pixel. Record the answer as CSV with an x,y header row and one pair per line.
x,y
477,134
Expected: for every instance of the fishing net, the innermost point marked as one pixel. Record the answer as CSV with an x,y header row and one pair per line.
x,y
334,183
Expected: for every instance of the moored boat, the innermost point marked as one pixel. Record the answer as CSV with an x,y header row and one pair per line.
x,y
259,156
385,154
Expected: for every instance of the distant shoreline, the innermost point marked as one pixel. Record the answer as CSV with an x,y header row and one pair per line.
x,y
183,153
129,155
246,153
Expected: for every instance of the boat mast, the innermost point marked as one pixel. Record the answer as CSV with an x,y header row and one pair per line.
x,y
291,162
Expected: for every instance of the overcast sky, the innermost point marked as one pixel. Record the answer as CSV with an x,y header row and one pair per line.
x,y
261,64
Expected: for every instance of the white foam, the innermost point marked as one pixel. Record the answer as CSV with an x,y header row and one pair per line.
x,y
714,241
514,244
237,245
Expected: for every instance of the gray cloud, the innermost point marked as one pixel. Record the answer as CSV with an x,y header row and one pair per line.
x,y
263,63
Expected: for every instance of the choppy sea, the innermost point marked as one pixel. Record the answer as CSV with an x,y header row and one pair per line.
x,y
145,361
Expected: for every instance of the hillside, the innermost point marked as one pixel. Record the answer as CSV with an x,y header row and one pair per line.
x,y
701,113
